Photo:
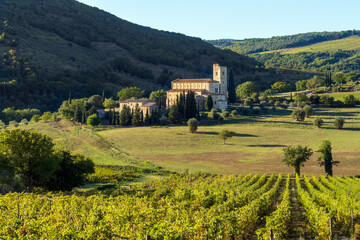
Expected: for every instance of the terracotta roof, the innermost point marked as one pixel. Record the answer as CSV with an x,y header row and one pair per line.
x,y
149,104
200,80
186,90
137,101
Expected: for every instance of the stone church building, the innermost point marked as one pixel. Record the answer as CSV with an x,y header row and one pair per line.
x,y
216,87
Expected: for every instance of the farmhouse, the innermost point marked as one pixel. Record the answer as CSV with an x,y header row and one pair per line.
x,y
216,87
145,105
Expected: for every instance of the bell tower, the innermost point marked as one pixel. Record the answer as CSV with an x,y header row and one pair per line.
x,y
220,75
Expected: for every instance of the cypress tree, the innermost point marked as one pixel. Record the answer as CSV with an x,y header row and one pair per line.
x,y
83,117
77,114
147,122
209,103
231,88
103,95
197,112
136,118
325,158
110,117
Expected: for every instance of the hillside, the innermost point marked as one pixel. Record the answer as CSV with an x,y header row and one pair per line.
x,y
50,48
319,52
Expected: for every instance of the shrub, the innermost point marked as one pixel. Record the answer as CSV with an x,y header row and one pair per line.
x,y
256,111
292,105
308,110
220,119
25,121
277,104
35,118
350,99
271,102
263,103
2,125
14,123
245,112
339,122
93,120
298,114
225,134
193,125
249,102
215,115
163,120
46,116
234,113
225,114
318,122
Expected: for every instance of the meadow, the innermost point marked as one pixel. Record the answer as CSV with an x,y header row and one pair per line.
x,y
256,147
350,43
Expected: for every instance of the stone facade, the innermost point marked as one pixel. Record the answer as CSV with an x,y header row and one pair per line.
x,y
144,105
216,87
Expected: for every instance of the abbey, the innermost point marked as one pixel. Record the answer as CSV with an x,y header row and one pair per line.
x,y
216,87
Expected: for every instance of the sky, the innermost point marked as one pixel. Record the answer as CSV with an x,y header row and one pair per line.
x,y
236,19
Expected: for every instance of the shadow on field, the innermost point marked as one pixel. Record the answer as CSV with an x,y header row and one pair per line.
x,y
326,112
236,134
267,145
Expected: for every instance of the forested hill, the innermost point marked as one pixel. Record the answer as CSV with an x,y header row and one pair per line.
x,y
257,45
316,52
52,47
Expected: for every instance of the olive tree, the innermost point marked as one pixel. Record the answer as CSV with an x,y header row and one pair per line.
x,y
193,125
295,156
225,134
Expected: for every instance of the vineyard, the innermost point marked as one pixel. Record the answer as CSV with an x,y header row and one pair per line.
x,y
196,206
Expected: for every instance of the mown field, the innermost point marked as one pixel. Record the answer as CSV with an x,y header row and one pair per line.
x,y
256,147
350,43
197,206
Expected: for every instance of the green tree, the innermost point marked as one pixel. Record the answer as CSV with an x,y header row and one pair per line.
x,y
315,82
339,122
325,158
295,156
339,78
245,89
110,103
93,120
193,125
174,114
226,134
298,114
130,92
280,87
301,85
308,110
318,122
96,101
301,97
35,118
136,118
209,103
350,99
328,78
231,88
71,173
46,116
159,97
30,155
326,99
125,117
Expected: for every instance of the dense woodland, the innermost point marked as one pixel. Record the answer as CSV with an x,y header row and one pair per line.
x,y
257,45
51,47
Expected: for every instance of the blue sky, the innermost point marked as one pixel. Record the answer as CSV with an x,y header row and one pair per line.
x,y
214,19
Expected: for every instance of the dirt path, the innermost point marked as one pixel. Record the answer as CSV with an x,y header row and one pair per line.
x,y
298,225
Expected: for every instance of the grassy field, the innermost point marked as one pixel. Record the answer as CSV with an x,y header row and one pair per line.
x,y
350,43
256,148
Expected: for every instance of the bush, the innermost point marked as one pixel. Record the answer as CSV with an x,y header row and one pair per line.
x,y
308,110
271,102
249,102
350,99
35,118
277,104
292,105
220,119
215,115
339,122
234,113
14,123
298,114
163,121
225,114
318,122
93,120
2,125
25,121
193,125
245,112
